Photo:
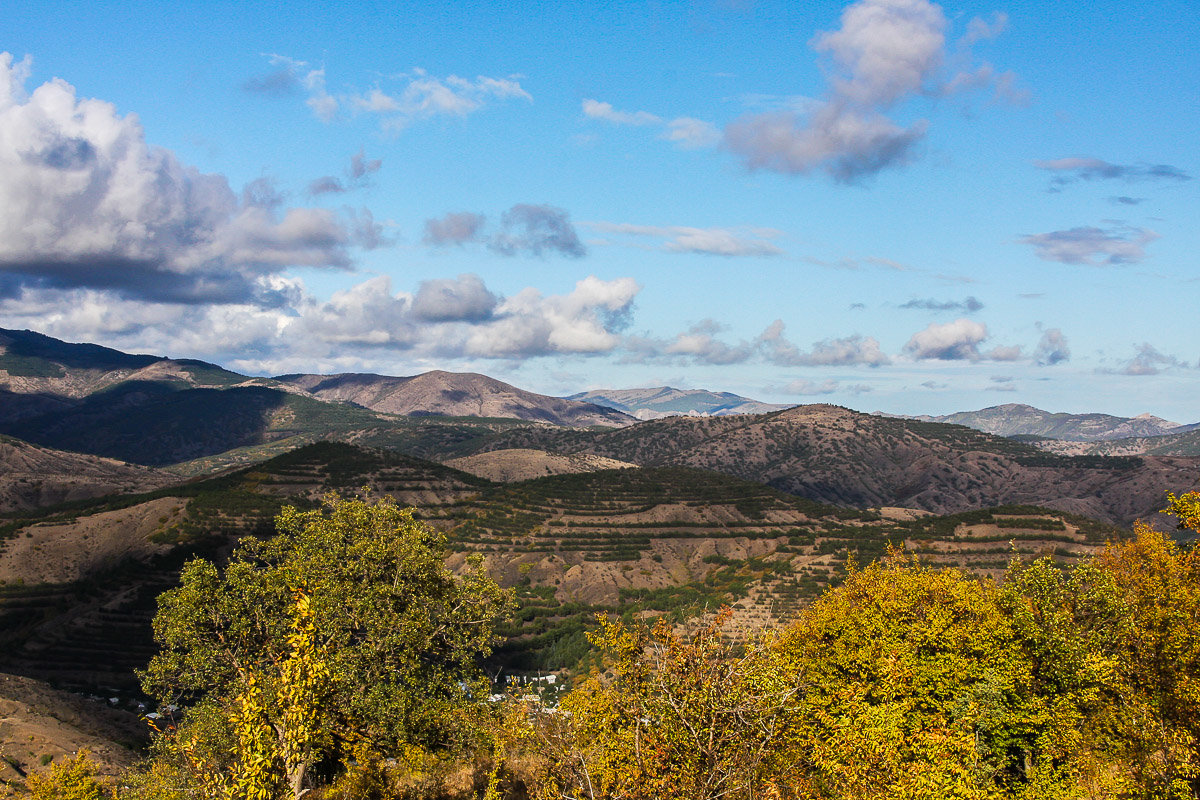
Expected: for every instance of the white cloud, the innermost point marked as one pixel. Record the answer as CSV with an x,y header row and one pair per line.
x,y
422,96
418,95
530,324
708,241
1052,348
850,350
885,52
446,319
595,109
885,49
692,134
687,133
463,299
89,204
1112,246
700,342
1148,361
951,341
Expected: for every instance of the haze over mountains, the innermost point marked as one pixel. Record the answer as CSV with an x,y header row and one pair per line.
x,y
1016,419
665,401
159,412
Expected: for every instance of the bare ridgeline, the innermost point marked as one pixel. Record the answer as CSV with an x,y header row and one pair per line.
x,y
638,504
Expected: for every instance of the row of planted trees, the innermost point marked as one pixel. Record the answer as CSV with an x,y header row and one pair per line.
x,y
338,661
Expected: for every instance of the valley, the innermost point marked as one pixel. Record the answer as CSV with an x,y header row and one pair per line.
x,y
118,469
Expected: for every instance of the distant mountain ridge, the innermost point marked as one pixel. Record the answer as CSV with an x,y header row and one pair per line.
x,y
454,394
159,411
1016,419
835,455
666,401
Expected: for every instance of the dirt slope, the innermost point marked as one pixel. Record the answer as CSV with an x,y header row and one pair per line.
x,y
505,466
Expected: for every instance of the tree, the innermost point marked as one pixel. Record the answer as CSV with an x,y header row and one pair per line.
x,y
76,778
677,715
346,629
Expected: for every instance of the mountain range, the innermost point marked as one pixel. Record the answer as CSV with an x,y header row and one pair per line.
x,y
665,401
454,394
195,418
117,468
1016,419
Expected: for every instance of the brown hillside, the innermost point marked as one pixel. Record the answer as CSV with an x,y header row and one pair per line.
x,y
840,456
453,394
33,476
39,722
505,466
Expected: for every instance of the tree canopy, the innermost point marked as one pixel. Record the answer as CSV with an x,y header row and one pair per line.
x,y
343,629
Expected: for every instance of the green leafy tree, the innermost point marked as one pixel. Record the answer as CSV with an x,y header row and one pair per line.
x,y
677,715
76,778
345,630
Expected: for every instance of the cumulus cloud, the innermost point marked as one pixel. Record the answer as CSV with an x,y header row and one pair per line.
x,y
687,133
885,49
453,228
1116,245
367,323
462,299
583,321
537,230
885,52
707,241
957,341
1052,348
968,304
1081,168
1148,361
847,144
700,342
851,350
89,204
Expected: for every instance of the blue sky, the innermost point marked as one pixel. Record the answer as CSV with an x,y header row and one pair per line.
x,y
889,204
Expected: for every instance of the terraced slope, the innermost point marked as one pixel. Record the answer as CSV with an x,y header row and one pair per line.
x,y
840,456
33,477
681,541
78,583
